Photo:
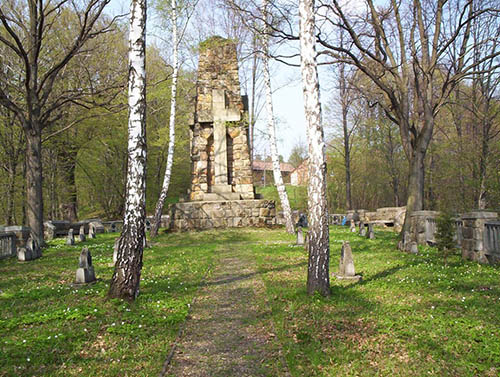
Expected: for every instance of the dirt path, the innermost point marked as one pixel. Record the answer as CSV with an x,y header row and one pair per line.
x,y
229,332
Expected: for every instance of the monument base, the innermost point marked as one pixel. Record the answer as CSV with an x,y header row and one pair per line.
x,y
199,215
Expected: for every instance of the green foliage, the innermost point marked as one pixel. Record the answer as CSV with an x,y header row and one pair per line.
x,y
445,234
297,196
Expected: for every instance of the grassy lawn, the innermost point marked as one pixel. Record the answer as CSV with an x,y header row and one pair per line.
x,y
48,327
410,315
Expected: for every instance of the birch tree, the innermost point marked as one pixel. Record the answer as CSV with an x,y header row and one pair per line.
x,y
318,277
278,178
127,274
171,142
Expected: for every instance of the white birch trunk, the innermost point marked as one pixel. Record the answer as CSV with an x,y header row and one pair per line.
x,y
173,105
127,274
271,128
318,279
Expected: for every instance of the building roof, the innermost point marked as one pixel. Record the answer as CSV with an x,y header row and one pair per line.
x,y
268,165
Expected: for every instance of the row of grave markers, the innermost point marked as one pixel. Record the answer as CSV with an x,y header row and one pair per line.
x,y
70,239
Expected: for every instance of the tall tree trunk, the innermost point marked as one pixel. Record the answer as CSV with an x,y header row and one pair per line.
x,y
11,185
127,274
271,127
34,198
482,194
347,159
171,143
415,201
344,103
318,277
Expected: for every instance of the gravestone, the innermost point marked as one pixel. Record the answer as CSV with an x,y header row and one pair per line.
x,y
30,252
70,240
362,229
85,272
353,227
92,231
115,250
370,234
346,265
300,236
82,233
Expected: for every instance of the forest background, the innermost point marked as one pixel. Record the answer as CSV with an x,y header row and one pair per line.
x,y
84,151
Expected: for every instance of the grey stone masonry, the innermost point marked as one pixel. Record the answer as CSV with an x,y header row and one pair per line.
x,y
370,234
82,234
222,214
492,241
85,272
22,233
70,240
220,154
346,264
423,227
92,231
8,246
473,234
300,236
30,252
362,228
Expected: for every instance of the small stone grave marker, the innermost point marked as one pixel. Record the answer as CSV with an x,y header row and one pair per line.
x,y
362,229
30,252
370,234
91,231
346,265
300,236
85,272
70,240
82,233
353,226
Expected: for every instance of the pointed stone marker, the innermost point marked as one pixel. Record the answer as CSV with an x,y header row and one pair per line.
x,y
300,236
70,240
370,234
85,272
91,231
346,265
82,233
362,229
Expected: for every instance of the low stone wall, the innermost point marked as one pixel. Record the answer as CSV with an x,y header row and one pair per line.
x,y
22,233
59,228
473,233
7,244
222,214
492,241
423,227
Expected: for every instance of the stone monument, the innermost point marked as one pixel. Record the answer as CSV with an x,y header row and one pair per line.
x,y
85,272
222,191
82,233
346,265
70,239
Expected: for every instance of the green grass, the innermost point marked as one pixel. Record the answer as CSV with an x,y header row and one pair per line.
x,y
297,195
409,316
48,327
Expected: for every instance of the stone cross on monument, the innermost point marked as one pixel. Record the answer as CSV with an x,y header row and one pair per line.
x,y
221,114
